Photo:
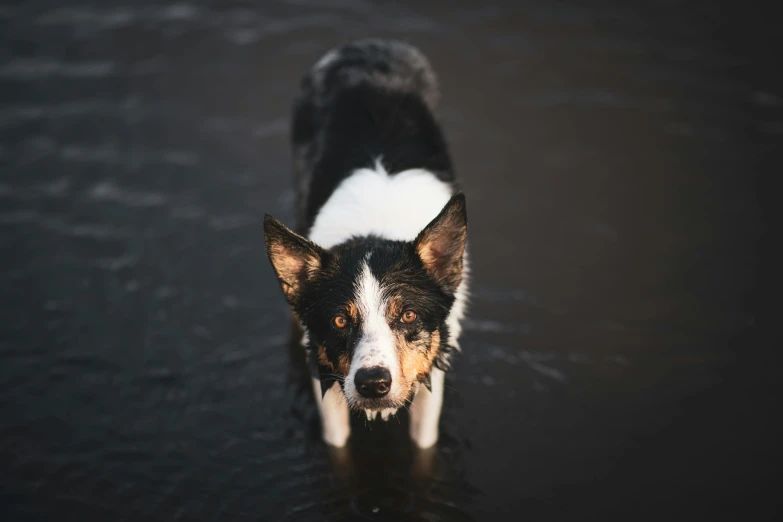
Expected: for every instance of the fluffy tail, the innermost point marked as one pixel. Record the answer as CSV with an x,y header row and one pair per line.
x,y
390,64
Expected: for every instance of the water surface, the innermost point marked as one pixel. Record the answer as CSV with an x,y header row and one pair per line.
x,y
609,156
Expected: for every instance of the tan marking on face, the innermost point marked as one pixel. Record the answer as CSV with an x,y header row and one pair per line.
x,y
416,356
343,364
353,312
394,309
434,344
323,359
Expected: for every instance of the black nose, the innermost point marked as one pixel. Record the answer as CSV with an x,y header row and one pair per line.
x,y
373,382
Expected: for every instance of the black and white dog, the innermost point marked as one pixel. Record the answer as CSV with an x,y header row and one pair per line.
x,y
376,275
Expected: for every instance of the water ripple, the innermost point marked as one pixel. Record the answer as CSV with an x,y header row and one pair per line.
x,y
116,17
109,191
43,67
269,27
129,109
100,231
491,326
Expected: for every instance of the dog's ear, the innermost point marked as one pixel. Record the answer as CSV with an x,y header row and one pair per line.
x,y
294,258
441,244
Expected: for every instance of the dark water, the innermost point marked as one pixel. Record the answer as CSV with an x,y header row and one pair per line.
x,y
612,157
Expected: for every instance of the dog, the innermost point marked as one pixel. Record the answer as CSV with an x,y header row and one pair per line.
x,y
376,271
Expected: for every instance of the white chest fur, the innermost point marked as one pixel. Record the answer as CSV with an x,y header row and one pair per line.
x,y
398,207
370,201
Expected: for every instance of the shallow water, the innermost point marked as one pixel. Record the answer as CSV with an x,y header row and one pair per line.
x,y
610,157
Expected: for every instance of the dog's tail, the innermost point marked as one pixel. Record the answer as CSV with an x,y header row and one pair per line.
x,y
390,64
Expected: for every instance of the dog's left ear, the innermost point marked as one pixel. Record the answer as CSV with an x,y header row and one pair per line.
x,y
441,244
294,258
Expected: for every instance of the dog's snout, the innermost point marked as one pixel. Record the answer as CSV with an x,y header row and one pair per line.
x,y
373,382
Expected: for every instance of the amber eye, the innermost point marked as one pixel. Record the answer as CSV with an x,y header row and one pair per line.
x,y
340,321
408,316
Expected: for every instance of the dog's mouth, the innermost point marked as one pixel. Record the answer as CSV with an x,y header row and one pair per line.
x,y
375,405
380,405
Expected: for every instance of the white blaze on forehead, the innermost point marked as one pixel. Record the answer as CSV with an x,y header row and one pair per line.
x,y
376,346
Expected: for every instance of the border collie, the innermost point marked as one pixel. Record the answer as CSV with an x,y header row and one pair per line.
x,y
375,272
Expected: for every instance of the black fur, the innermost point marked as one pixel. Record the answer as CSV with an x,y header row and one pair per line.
x,y
373,99
356,110
393,263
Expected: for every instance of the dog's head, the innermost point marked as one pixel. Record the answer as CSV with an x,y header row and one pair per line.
x,y
374,310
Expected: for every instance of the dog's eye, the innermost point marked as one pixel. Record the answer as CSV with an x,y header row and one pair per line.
x,y
340,321
408,316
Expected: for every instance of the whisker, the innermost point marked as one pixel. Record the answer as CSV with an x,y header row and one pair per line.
x,y
336,376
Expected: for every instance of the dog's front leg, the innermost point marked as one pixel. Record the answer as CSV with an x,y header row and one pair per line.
x,y
335,418
425,411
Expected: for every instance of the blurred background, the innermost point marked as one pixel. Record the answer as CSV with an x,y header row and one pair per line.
x,y
615,160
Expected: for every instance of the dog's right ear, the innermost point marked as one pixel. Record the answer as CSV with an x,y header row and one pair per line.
x,y
294,258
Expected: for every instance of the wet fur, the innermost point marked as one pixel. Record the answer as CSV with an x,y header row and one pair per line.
x,y
406,284
376,206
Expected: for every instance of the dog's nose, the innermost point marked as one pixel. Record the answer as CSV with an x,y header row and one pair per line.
x,y
373,382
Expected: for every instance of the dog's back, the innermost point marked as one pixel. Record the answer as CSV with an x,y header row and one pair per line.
x,y
367,107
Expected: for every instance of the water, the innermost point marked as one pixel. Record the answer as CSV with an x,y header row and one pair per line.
x,y
610,156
